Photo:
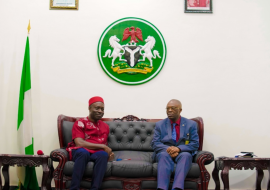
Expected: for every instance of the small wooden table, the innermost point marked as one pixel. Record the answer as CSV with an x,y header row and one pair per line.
x,y
227,163
7,160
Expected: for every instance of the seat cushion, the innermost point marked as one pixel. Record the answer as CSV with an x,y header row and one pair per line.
x,y
194,171
68,169
132,168
133,155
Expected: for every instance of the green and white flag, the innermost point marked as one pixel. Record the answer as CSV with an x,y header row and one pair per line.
x,y
27,175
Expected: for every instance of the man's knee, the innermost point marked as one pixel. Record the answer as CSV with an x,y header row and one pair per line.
x,y
163,155
81,153
184,155
102,154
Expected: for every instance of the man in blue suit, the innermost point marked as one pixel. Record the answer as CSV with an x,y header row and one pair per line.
x,y
175,141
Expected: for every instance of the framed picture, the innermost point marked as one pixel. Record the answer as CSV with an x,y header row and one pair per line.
x,y
198,6
64,4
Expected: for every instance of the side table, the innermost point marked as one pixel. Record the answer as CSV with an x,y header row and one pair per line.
x,y
227,163
7,160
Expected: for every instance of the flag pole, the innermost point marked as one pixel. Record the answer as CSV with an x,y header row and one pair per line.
x,y
20,185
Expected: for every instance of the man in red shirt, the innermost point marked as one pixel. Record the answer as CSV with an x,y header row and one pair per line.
x,y
89,143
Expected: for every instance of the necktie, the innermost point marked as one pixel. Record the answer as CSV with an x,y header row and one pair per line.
x,y
174,132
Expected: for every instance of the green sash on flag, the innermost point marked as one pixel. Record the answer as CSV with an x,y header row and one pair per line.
x,y
26,176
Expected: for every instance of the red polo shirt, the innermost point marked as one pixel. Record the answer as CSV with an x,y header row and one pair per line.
x,y
91,132
177,128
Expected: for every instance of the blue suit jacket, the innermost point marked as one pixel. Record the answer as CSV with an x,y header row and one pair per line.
x,y
163,136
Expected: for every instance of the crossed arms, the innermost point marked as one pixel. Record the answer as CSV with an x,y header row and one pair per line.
x,y
80,142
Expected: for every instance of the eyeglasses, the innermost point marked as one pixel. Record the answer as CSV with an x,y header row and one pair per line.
x,y
172,108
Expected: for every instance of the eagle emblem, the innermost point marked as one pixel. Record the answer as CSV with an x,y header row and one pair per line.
x,y
133,34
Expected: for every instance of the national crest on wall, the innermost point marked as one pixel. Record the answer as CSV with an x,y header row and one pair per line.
x,y
131,51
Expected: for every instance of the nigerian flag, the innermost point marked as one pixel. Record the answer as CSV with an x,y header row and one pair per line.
x,y
27,175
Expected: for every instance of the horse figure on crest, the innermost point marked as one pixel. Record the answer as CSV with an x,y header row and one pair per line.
x,y
150,42
116,50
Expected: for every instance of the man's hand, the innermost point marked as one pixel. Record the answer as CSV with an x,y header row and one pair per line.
x,y
111,157
107,149
173,151
174,155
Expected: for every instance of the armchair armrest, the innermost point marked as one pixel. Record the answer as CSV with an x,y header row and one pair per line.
x,y
61,156
204,157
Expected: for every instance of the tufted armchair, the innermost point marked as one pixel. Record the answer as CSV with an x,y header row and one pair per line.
x,y
130,139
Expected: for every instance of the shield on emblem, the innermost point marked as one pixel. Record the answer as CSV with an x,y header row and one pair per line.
x,y
132,55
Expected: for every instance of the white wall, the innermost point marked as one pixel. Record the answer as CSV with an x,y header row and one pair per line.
x,y
217,64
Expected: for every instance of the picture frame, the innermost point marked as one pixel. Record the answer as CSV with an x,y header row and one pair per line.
x,y
64,4
198,6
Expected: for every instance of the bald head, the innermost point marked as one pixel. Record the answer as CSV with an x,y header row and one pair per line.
x,y
174,108
175,102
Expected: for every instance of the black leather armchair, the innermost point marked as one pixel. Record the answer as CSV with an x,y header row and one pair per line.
x,y
130,138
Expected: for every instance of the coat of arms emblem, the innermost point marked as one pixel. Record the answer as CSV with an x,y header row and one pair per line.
x,y
132,51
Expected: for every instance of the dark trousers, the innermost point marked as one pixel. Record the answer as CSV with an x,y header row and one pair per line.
x,y
166,166
81,157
